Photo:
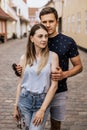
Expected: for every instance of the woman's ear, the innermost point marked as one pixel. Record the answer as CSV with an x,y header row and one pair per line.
x,y
31,38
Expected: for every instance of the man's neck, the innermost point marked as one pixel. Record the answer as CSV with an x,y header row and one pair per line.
x,y
53,35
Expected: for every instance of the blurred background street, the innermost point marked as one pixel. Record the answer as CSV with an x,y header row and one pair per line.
x,y
76,115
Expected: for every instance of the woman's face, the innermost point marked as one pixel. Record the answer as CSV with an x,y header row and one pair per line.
x,y
40,38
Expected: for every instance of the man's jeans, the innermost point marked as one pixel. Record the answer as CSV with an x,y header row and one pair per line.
x,y
28,105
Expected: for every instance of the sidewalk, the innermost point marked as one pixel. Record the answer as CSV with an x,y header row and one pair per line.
x,y
76,115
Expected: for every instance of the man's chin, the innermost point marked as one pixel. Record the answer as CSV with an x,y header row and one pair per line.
x,y
50,34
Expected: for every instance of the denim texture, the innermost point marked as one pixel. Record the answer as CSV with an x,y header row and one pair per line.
x,y
29,103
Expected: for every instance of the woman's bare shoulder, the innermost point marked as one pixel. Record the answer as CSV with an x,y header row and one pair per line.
x,y
54,54
22,59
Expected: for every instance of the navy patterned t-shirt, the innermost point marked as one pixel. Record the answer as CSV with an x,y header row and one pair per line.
x,y
66,48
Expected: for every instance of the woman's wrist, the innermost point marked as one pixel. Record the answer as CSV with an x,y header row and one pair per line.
x,y
42,109
15,106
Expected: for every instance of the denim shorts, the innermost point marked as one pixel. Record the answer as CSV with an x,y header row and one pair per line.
x,y
28,105
58,106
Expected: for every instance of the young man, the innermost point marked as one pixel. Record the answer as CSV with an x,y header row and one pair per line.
x,y
66,49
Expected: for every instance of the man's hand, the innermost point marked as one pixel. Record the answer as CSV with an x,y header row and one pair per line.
x,y
57,75
16,114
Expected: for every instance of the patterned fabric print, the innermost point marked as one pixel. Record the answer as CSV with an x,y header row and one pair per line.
x,y
22,123
28,104
66,48
19,125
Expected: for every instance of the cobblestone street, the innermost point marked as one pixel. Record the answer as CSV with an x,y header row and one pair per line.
x,y
76,115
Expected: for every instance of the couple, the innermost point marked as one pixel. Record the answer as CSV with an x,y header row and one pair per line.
x,y
36,87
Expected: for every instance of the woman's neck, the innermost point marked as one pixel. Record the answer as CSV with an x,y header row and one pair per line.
x,y
38,53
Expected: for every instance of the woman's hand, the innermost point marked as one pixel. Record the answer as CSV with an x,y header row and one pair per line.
x,y
16,114
57,75
38,117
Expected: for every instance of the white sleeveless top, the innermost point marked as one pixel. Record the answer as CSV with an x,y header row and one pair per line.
x,y
37,83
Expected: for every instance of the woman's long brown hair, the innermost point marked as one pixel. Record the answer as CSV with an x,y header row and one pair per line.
x,y
30,50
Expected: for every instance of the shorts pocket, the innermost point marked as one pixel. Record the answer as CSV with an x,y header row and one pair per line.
x,y
24,93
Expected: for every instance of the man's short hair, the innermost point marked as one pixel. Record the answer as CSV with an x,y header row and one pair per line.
x,y
48,10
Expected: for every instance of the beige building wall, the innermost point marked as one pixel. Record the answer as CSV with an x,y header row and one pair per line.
x,y
59,7
57,4
75,20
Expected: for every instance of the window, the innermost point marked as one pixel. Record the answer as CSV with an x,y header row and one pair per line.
x,y
65,3
78,22
86,21
64,24
73,23
68,24
3,27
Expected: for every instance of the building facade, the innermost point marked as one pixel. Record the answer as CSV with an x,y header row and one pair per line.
x,y
72,19
21,10
14,19
33,16
75,21
3,25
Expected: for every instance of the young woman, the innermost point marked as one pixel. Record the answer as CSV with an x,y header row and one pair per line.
x,y
36,89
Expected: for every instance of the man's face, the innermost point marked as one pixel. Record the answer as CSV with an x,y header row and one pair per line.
x,y
50,22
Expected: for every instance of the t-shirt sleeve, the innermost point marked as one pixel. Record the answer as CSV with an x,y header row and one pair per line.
x,y
73,50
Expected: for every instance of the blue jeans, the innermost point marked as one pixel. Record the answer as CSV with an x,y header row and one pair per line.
x,y
28,105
